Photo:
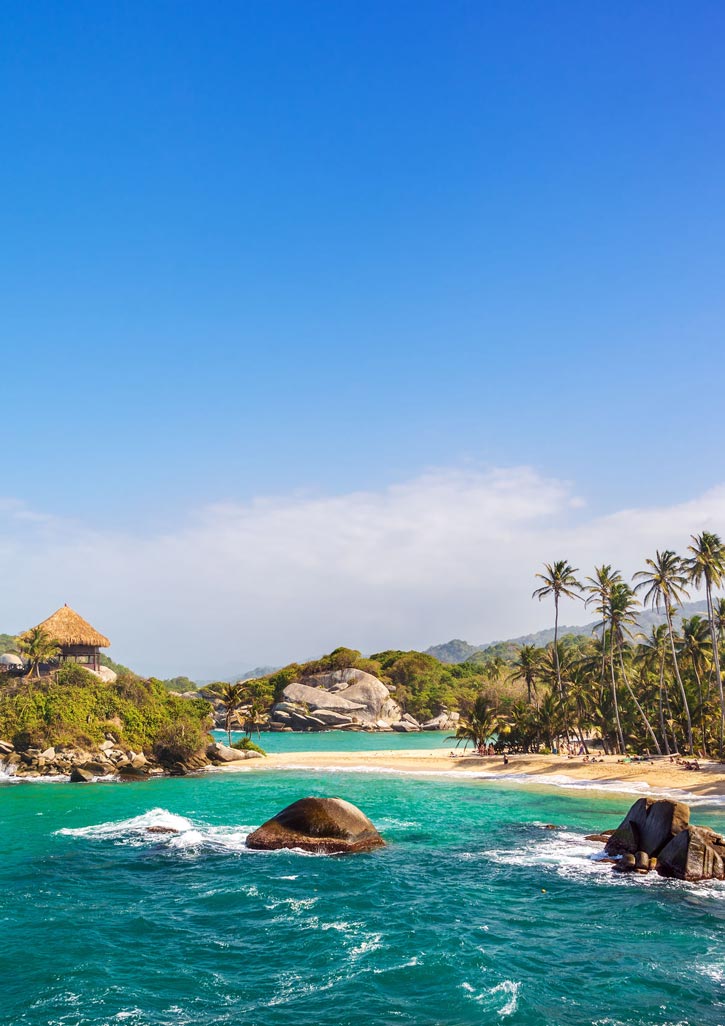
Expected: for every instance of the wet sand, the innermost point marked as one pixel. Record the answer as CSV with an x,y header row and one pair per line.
x,y
657,776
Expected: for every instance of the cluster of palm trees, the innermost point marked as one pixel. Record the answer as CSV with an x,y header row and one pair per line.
x,y
661,692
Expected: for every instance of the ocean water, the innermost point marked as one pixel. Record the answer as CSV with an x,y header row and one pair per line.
x,y
473,913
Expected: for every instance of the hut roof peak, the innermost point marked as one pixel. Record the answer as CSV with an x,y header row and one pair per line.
x,y
66,627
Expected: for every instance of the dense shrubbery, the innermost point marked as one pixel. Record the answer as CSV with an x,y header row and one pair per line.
x,y
423,685
247,745
74,707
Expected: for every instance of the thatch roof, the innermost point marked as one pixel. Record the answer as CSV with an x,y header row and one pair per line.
x,y
66,627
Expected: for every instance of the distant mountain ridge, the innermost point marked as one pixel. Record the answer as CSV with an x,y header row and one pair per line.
x,y
458,651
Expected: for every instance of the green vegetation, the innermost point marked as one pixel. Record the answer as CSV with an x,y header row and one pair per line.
x,y
73,707
36,647
247,745
660,692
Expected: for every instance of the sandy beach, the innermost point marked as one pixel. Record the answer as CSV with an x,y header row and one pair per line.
x,y
658,776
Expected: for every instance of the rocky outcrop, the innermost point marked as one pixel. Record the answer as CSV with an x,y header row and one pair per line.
x,y
325,826
656,834
109,759
444,721
648,826
406,724
696,853
220,754
338,699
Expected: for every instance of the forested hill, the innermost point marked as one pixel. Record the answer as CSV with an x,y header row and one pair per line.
x,y
458,651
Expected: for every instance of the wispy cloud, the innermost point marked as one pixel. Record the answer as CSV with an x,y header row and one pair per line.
x,y
450,553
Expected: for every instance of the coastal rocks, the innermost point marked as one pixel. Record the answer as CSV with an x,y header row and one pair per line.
x,y
80,776
220,754
338,699
656,834
325,826
648,826
696,853
406,724
444,721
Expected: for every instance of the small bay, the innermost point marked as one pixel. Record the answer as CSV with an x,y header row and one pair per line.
x,y
473,913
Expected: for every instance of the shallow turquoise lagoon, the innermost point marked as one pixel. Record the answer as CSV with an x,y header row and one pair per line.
x,y
346,741
472,914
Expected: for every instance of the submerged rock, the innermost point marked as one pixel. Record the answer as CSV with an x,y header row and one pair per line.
x,y
329,826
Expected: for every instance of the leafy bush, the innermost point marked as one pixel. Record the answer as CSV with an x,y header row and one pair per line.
x,y
73,706
247,745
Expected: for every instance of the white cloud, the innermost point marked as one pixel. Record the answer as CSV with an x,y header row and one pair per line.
x,y
448,554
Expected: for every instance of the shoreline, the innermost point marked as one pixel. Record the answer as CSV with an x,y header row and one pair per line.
x,y
657,777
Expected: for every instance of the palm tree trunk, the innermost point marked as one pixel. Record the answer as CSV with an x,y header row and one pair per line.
x,y
660,706
556,642
716,657
668,612
640,710
620,735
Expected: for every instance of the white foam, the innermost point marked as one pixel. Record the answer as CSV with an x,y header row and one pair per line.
x,y
613,785
571,856
489,996
184,835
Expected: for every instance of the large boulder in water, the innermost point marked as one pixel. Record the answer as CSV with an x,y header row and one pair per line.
x,y
326,826
649,826
696,853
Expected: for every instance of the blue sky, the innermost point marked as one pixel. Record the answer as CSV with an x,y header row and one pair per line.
x,y
288,252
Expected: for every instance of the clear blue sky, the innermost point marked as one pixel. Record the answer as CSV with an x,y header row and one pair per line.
x,y
251,248
254,247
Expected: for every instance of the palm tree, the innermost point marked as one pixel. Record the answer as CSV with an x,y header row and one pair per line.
x,y
696,645
558,580
481,723
599,589
231,697
526,667
652,654
38,648
622,605
665,581
707,565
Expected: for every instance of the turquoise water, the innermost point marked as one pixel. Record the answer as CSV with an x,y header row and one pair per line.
x,y
345,741
473,914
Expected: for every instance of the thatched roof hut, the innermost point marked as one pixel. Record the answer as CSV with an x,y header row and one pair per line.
x,y
78,641
66,627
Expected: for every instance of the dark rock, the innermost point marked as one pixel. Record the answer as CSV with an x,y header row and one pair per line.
x,y
130,772
626,863
696,853
161,830
96,769
80,776
601,838
641,862
327,826
648,826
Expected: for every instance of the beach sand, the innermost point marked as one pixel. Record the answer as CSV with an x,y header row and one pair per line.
x,y
658,776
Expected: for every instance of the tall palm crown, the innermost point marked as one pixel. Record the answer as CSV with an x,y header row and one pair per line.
x,y
559,579
665,581
38,647
526,666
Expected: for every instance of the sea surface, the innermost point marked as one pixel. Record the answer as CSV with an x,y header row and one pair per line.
x,y
474,912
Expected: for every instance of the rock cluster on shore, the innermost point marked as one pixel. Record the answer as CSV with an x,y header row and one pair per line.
x,y
109,759
347,699
656,834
